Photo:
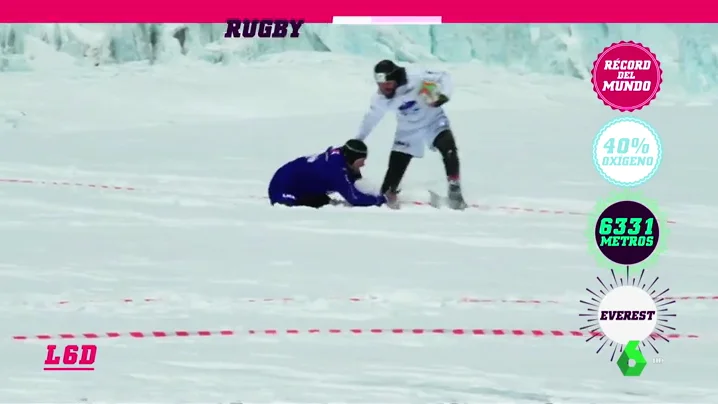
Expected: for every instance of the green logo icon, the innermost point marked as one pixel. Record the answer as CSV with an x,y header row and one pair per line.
x,y
631,353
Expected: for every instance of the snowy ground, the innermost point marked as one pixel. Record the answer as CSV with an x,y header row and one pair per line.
x,y
199,144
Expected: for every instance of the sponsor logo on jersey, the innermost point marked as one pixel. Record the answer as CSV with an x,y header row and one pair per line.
x,y
408,107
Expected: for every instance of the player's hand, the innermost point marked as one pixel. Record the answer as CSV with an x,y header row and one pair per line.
x,y
441,100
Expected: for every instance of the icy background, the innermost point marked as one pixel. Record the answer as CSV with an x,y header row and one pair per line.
x,y
687,52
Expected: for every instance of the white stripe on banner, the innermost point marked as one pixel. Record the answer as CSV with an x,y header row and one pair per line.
x,y
399,20
351,20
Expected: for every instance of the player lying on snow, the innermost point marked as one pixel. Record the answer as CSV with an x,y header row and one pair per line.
x,y
417,96
308,180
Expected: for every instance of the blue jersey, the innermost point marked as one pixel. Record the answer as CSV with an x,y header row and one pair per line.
x,y
318,174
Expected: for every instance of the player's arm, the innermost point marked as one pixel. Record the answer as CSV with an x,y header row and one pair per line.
x,y
346,188
377,110
436,87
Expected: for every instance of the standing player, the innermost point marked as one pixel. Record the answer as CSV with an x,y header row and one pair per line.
x,y
308,180
417,97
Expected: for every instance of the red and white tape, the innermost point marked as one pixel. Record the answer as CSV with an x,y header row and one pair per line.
x,y
417,203
67,184
356,299
707,297
331,331
352,299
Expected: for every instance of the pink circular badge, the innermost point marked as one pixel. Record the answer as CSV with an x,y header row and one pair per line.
x,y
626,76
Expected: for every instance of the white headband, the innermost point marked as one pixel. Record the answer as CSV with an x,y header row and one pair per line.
x,y
380,77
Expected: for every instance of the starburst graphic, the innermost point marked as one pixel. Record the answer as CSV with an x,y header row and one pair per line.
x,y
619,196
592,313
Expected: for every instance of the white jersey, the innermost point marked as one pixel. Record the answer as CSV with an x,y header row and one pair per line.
x,y
412,111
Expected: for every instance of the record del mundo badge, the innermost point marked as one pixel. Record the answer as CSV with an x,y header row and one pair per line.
x,y
626,76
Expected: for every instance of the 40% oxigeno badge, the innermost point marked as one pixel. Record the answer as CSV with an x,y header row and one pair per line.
x,y
627,152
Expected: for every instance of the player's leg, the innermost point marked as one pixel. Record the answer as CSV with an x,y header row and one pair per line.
x,y
311,201
314,201
407,145
445,143
398,163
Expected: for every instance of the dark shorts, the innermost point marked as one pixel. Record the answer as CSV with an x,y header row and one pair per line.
x,y
280,193
312,201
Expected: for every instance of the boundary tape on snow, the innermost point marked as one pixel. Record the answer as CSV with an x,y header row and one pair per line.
x,y
415,203
331,331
